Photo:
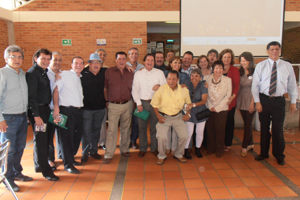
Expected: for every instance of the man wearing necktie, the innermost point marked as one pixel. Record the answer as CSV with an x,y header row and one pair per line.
x,y
271,80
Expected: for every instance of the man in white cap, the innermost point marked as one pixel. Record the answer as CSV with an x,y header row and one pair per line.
x,y
92,80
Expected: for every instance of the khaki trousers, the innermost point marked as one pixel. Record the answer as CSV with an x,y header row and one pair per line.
x,y
179,126
116,113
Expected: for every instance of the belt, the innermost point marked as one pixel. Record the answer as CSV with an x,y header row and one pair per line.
x,y
163,114
118,102
148,100
17,113
271,97
43,104
71,107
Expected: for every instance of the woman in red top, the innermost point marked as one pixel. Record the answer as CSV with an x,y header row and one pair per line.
x,y
227,57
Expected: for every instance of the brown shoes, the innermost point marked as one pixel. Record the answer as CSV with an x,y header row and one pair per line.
x,y
126,154
106,160
142,154
155,153
160,161
182,159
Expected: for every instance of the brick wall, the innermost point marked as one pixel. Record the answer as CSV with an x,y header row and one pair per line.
x,y
292,5
3,41
32,36
291,48
102,5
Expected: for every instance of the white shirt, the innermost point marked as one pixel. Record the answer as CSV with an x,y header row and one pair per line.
x,y
69,89
286,81
51,76
143,82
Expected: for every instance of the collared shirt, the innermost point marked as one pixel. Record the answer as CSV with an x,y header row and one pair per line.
x,y
39,92
13,92
163,67
143,83
138,66
51,76
286,81
170,102
93,86
69,89
188,71
118,85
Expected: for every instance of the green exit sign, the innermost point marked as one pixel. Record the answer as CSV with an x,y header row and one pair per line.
x,y
137,41
66,42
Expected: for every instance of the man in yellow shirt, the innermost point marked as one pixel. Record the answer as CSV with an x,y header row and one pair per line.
x,y
167,102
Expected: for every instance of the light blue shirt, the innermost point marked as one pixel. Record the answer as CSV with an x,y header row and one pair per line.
x,y
13,92
286,81
188,71
138,67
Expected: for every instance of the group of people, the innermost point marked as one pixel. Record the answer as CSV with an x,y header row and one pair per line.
x,y
180,99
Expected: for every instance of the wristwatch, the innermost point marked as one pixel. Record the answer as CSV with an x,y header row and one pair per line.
x,y
194,105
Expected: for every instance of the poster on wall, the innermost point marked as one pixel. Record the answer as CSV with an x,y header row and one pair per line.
x,y
101,42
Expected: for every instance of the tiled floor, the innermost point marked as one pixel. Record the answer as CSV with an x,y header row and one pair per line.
x,y
229,177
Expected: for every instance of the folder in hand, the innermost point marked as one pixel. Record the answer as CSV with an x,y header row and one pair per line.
x,y
142,115
63,120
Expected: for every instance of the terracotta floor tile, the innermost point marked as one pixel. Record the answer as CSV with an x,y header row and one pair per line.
x,y
91,167
134,185
244,173
61,186
55,195
187,166
109,176
153,168
241,192
214,159
202,160
174,184
134,176
232,159
133,195
151,161
176,194
221,166
154,184
238,165
77,195
209,174
283,191
99,195
293,164
255,165
155,194
41,186
219,193
170,167
151,175
233,182
24,186
198,194
86,176
213,182
102,186
204,166
80,186
272,181
136,161
252,181
289,171
295,179
67,177
190,174
262,192
263,172
193,183
135,168
226,173
26,196
172,175
108,168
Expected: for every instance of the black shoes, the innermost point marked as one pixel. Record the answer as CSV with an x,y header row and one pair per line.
x,y
84,159
187,154
261,157
198,153
23,178
14,187
96,156
102,147
52,177
72,170
77,163
133,145
280,161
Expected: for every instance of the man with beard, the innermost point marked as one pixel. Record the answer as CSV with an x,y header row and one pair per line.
x,y
159,61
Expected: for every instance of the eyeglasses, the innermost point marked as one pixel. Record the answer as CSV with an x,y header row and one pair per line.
x,y
95,62
16,57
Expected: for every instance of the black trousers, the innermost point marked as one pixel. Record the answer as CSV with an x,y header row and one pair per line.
x,y
51,154
273,110
41,142
248,118
229,130
69,139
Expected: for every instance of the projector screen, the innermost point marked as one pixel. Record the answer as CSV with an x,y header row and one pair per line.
x,y
241,25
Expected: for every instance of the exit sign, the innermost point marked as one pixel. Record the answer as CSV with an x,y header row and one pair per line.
x,y
66,42
137,41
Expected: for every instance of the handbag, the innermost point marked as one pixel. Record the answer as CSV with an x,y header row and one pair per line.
x,y
203,114
142,115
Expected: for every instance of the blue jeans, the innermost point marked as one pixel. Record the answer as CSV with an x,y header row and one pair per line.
x,y
92,120
17,134
134,129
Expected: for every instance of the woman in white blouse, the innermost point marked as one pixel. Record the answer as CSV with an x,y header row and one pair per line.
x,y
219,91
